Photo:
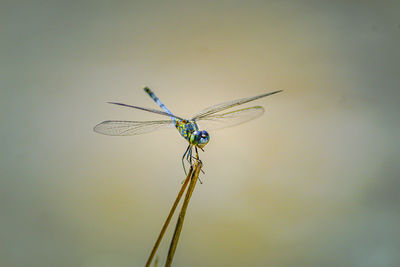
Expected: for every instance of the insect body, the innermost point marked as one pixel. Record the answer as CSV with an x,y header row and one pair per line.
x,y
188,129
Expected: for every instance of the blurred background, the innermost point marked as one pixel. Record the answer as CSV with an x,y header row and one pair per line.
x,y
313,182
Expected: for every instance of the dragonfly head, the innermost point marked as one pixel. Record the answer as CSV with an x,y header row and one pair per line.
x,y
200,138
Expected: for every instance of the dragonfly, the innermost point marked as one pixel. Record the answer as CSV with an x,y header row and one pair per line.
x,y
212,118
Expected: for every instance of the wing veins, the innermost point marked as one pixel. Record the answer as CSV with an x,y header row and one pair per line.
x,y
123,128
147,109
223,106
231,118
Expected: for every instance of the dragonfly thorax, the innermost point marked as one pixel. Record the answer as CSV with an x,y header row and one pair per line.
x,y
190,131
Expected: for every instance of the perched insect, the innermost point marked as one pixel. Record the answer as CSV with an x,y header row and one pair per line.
x,y
188,129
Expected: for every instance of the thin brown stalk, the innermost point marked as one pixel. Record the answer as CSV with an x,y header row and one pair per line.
x,y
179,223
171,213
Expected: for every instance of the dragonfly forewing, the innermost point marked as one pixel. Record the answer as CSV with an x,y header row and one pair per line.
x,y
152,110
229,119
220,107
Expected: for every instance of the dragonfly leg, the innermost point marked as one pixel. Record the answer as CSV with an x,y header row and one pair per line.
x,y
189,156
197,158
183,158
194,158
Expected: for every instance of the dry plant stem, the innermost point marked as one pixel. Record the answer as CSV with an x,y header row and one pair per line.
x,y
179,223
171,213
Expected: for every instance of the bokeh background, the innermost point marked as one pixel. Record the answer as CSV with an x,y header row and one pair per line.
x,y
313,182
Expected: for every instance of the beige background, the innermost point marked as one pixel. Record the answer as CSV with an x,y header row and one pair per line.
x,y
313,182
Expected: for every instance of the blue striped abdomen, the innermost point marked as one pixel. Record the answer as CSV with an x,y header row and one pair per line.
x,y
157,100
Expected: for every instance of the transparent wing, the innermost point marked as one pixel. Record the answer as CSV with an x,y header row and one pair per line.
x,y
228,119
147,109
220,107
121,128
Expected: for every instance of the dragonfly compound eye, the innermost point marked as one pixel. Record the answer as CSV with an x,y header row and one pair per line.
x,y
204,134
204,138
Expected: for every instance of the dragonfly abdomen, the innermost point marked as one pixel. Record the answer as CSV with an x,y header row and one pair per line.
x,y
157,100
